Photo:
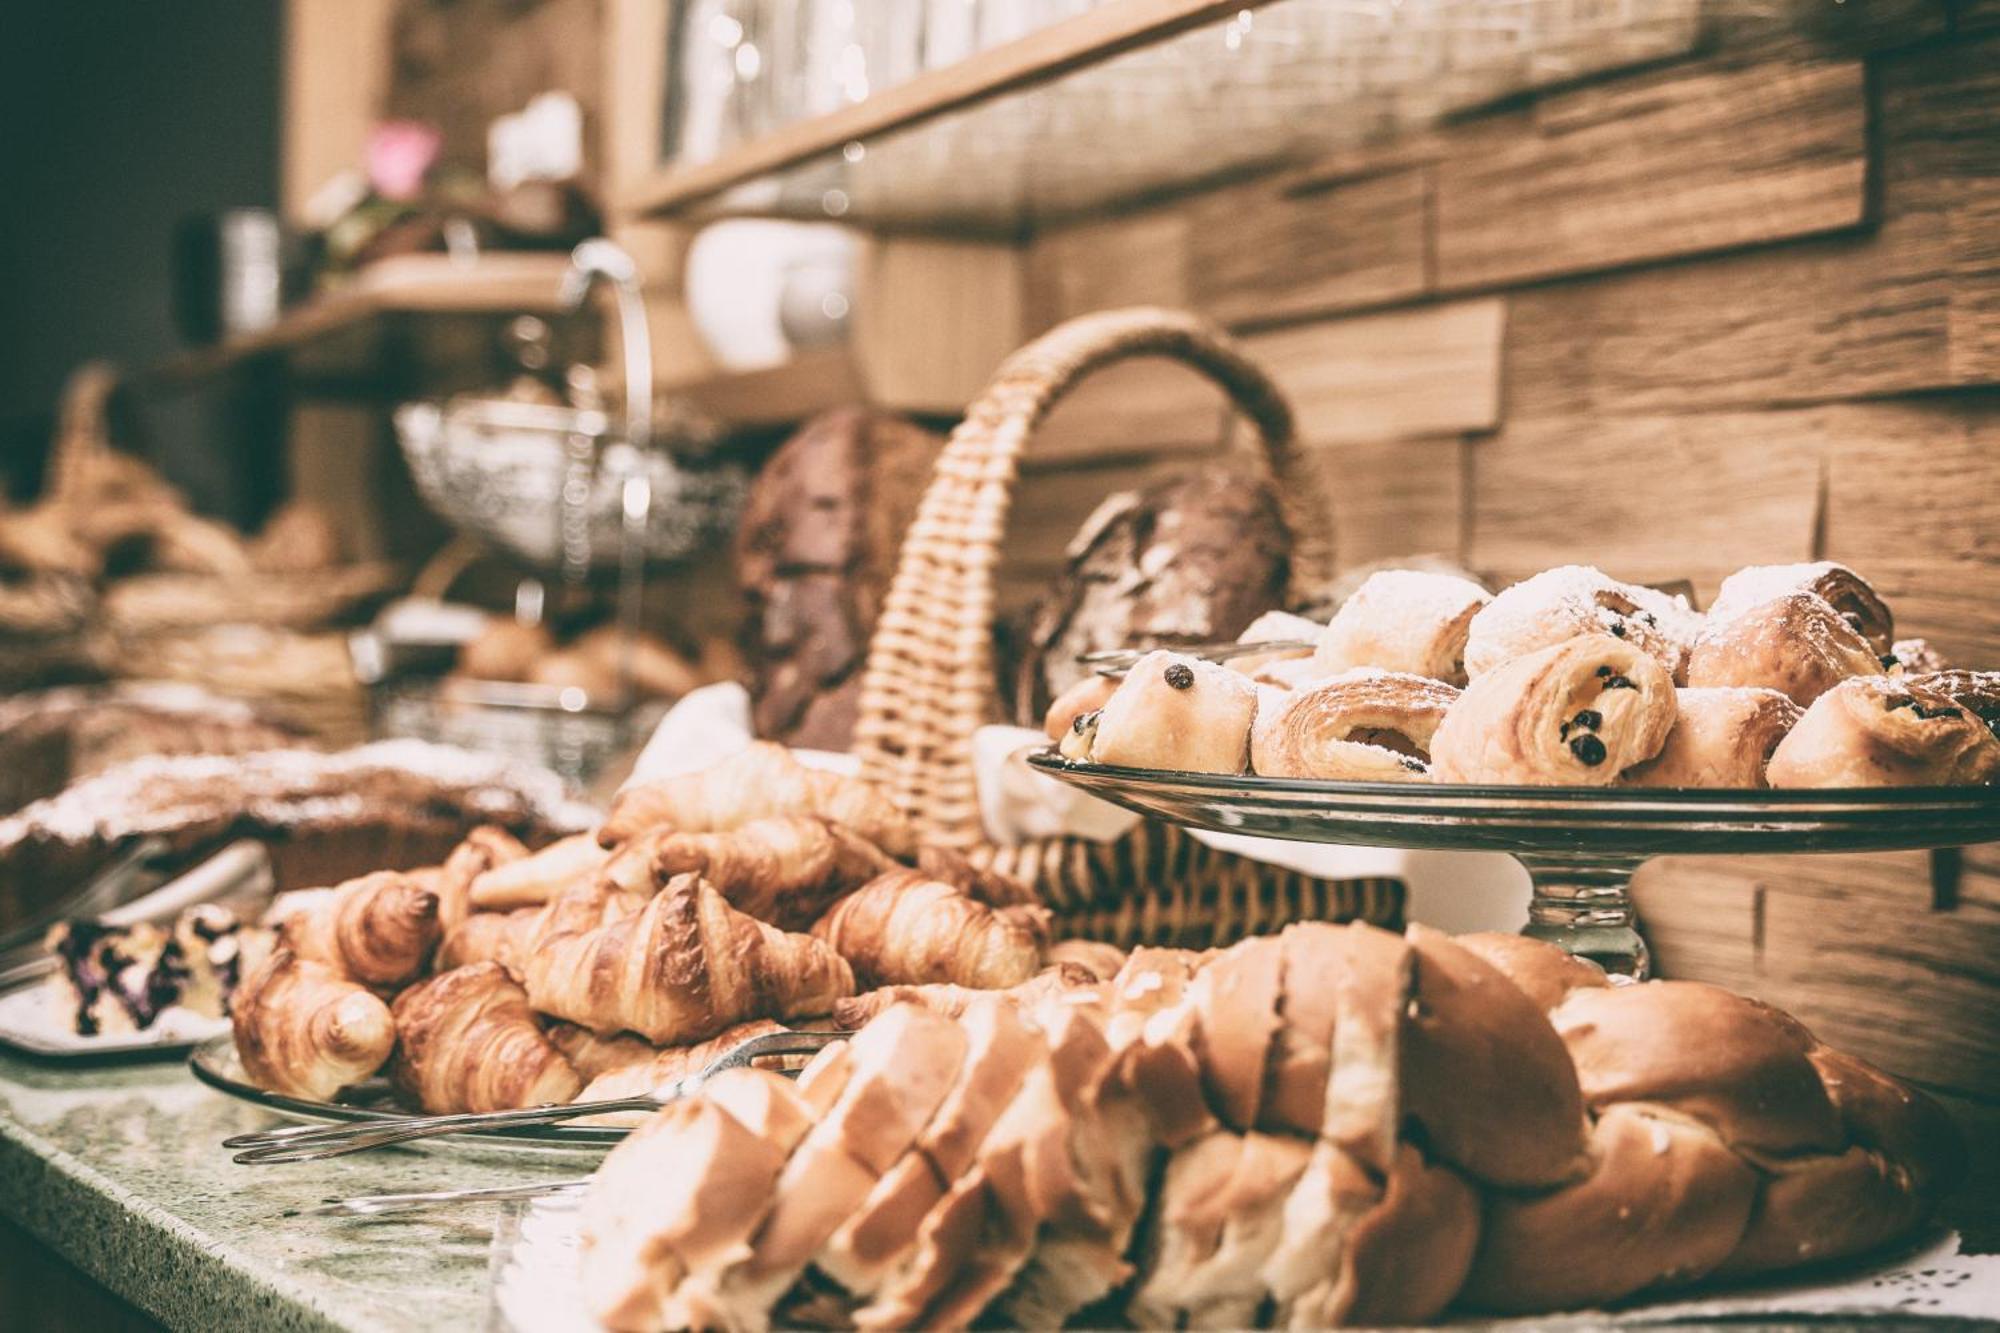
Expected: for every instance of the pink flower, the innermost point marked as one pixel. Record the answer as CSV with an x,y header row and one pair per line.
x,y
400,155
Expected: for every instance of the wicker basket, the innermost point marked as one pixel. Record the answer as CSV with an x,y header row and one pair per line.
x,y
929,682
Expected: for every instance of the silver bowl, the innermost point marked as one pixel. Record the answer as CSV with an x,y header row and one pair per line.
x,y
548,484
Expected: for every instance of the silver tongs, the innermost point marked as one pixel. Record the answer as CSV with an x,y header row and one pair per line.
x,y
311,1143
377,1205
1118,661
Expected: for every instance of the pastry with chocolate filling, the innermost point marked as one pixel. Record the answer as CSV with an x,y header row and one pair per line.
x,y
1976,690
1576,714
1175,712
1361,726
1797,644
1875,731
1404,620
1843,589
1559,604
1723,737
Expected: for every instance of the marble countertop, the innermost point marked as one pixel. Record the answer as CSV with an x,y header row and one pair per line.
x,y
119,1168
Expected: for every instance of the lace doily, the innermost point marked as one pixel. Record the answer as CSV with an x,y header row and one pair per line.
x,y
535,1287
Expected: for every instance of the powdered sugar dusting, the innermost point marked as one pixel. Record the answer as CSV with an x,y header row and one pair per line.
x,y
288,789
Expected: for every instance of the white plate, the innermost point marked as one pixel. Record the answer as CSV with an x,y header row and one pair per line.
x,y
31,1020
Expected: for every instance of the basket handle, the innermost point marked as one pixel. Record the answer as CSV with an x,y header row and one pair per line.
x,y
928,683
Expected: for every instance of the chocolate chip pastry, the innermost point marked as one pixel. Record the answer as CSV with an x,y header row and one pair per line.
x,y
1722,737
1876,731
1576,714
1844,590
1404,620
1796,643
1173,712
1559,604
1360,726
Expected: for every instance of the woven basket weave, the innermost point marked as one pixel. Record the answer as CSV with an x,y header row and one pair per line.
x,y
929,682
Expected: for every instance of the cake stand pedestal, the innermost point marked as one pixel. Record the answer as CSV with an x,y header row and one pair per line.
x,y
1579,845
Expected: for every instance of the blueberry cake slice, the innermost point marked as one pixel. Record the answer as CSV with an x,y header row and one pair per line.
x,y
120,979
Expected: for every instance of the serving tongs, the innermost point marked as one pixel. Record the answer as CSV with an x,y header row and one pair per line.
x,y
312,1143
1118,661
378,1205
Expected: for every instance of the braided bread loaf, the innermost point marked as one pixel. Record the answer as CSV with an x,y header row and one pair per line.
x,y
1334,1125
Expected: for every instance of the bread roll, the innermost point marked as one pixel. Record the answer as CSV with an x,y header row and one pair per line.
x,y
1406,621
1560,604
1177,712
1578,713
1877,731
1846,591
1796,644
1722,737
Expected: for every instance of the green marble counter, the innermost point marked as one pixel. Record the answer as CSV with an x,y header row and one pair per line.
x,y
118,1168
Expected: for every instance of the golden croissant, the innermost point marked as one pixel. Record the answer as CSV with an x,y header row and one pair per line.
x,y
378,930
305,1030
786,870
483,849
906,929
685,967
762,781
467,1041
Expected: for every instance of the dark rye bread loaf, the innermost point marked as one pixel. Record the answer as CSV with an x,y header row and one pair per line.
x,y
1193,559
814,553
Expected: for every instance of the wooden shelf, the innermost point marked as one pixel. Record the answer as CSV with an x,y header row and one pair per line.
x,y
407,284
1138,99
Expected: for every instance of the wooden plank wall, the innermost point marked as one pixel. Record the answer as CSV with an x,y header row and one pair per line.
x,y
1740,309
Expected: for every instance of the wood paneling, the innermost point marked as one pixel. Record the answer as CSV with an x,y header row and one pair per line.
x,y
1260,251
336,84
1395,498
1913,501
1431,370
1649,168
1650,498
1137,259
1148,405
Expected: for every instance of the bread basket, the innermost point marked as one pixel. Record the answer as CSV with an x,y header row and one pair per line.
x,y
929,683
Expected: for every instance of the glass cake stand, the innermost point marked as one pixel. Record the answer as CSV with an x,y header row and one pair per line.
x,y
1579,845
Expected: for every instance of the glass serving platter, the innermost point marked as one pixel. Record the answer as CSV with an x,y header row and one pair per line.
x,y
1579,845
215,1063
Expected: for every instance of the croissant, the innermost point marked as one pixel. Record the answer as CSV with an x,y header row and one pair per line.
x,y
1403,620
1362,725
593,1053
486,937
1722,737
1796,644
786,870
467,1041
378,930
764,780
905,929
1846,591
305,1030
532,880
1579,714
483,849
942,997
1175,712
988,885
654,1072
1560,604
1879,731
685,967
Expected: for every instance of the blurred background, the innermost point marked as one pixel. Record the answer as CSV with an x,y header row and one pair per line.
x,y
310,401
